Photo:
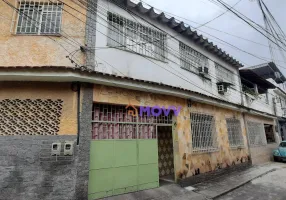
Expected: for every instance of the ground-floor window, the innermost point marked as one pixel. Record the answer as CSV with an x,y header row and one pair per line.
x,y
256,133
234,132
203,132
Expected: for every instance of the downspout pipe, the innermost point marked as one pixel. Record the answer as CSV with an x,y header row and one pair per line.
x,y
78,112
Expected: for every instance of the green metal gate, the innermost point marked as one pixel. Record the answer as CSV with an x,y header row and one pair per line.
x,y
124,152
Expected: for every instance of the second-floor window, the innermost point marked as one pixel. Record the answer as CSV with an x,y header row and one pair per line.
x,y
224,75
191,59
132,36
39,18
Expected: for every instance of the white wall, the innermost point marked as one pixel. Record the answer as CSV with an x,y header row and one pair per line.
x,y
113,60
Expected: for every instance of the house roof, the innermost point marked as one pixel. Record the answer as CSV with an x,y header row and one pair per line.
x,y
18,70
267,70
181,28
249,78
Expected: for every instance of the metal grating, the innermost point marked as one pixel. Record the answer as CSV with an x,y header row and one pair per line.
x,y
129,35
191,59
224,74
256,133
39,17
203,132
117,122
234,132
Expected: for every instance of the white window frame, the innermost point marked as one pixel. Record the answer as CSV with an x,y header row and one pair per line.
x,y
132,36
202,123
234,133
191,59
33,18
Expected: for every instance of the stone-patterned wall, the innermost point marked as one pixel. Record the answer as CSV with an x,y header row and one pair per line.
x,y
35,50
191,163
186,162
29,108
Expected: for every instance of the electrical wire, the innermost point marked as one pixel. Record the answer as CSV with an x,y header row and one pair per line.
x,y
217,16
135,52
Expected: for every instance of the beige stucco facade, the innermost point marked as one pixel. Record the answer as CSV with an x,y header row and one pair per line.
x,y
262,154
32,91
40,50
185,161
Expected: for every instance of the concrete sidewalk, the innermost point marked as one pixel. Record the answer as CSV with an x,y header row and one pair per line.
x,y
226,183
166,192
210,189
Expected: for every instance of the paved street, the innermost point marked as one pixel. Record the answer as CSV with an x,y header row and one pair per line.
x,y
271,186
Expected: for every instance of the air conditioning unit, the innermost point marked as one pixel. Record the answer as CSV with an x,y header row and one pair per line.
x,y
221,88
203,70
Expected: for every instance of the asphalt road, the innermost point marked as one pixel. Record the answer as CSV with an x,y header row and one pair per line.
x,y
271,186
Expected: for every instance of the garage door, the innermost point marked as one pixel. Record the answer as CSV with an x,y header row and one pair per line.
x,y
124,151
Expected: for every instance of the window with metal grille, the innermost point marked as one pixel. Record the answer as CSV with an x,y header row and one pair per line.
x,y
256,133
203,132
117,122
234,132
39,17
191,59
224,75
132,36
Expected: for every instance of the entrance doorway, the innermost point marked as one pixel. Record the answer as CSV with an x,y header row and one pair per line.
x,y
165,155
269,133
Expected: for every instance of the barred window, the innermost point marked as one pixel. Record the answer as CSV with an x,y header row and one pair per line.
x,y
191,59
256,133
234,132
39,17
224,74
203,132
129,35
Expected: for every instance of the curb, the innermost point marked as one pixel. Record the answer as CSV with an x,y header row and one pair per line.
x,y
242,184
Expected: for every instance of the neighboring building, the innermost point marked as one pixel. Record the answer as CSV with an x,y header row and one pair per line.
x,y
261,85
103,102
37,111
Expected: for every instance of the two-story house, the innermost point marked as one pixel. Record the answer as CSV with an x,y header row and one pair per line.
x,y
163,64
101,98
262,87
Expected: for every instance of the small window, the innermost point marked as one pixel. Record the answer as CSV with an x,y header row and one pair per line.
x,y
192,60
203,132
234,133
39,18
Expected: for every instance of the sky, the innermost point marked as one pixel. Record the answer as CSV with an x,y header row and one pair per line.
x,y
196,12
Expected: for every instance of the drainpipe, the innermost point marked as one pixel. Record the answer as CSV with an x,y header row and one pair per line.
x,y
247,136
78,112
276,120
244,121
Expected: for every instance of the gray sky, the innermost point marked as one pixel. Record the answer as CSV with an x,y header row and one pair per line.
x,y
201,11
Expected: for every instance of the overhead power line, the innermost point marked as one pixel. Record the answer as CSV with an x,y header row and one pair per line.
x,y
106,21
217,16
